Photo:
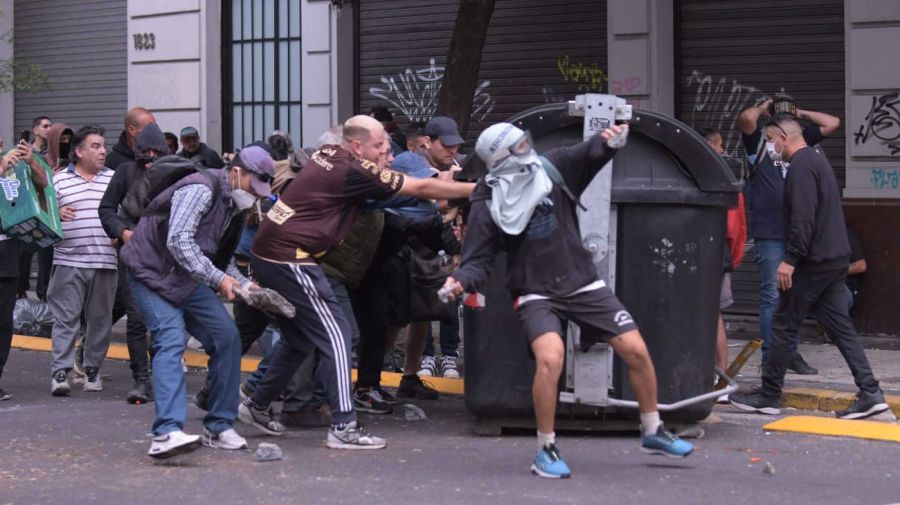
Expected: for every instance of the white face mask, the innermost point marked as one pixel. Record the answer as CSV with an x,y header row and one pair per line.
x,y
773,154
242,199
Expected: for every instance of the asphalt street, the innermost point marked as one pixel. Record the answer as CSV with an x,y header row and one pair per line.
x,y
90,448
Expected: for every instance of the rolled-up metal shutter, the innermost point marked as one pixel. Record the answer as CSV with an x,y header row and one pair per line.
x,y
81,46
535,52
731,54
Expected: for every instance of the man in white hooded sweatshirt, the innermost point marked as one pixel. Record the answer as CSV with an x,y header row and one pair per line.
x,y
551,276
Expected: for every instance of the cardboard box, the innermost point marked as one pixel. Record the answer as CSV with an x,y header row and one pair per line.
x,y
29,215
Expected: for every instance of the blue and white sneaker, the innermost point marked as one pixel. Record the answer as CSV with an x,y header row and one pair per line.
x,y
666,444
549,464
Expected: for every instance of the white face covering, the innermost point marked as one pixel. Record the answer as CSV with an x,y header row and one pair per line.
x,y
518,185
242,199
773,154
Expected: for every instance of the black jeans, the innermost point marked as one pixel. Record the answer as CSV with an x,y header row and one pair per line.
x,y
135,329
7,305
826,294
370,301
449,337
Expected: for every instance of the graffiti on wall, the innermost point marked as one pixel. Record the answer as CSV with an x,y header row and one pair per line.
x,y
588,77
882,124
718,103
414,93
882,178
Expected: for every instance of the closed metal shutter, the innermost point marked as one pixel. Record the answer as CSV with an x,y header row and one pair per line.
x,y
535,52
81,46
729,54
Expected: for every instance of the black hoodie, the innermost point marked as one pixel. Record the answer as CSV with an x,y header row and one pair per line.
x,y
549,257
121,153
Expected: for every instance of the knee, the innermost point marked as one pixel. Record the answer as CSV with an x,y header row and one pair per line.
x,y
550,361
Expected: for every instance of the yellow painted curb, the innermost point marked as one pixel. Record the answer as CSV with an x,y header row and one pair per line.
x,y
248,364
827,400
869,430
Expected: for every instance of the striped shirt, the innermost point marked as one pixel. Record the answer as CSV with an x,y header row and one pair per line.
x,y
85,244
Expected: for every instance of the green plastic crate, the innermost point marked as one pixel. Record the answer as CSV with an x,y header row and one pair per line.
x,y
27,214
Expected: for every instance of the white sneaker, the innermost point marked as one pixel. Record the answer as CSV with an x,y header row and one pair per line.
x,y
92,380
428,368
353,436
172,444
448,367
195,345
228,440
59,384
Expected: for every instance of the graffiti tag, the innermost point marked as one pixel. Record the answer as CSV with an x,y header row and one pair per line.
x,y
414,93
587,77
882,123
882,178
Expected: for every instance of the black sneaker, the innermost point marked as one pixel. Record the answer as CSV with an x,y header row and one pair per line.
x,y
369,400
261,419
386,396
201,399
865,405
140,393
756,402
411,386
799,365
4,395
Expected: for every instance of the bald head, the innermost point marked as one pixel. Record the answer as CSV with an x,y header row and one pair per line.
x,y
364,137
135,121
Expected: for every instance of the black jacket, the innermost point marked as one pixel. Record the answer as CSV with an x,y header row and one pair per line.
x,y
113,221
204,156
121,153
814,228
548,258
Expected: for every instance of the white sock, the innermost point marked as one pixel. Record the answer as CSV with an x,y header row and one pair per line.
x,y
650,423
545,439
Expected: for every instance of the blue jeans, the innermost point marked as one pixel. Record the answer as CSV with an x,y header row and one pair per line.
x,y
204,316
769,254
449,338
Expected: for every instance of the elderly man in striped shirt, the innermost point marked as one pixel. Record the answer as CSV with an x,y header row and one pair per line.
x,y
84,264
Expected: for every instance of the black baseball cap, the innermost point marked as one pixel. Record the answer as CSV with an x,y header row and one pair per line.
x,y
445,129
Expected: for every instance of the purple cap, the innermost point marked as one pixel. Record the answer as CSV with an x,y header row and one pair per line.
x,y
258,161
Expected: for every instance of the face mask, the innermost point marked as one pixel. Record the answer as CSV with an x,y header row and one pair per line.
x,y
242,199
773,154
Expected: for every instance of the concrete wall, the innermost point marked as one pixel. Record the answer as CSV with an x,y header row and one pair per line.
x,y
7,111
641,53
177,75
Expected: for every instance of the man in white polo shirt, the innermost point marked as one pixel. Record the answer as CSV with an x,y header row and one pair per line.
x,y
84,264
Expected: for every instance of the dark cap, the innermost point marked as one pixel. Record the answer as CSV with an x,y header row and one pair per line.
x,y
189,131
445,130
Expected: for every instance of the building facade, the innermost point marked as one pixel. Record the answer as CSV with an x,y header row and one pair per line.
x,y
238,69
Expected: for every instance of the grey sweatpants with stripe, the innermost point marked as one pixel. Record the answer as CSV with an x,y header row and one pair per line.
x,y
71,291
320,323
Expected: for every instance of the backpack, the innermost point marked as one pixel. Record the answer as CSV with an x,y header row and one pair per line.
x,y
161,174
557,179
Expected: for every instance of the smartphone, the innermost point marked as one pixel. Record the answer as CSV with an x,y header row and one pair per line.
x,y
26,136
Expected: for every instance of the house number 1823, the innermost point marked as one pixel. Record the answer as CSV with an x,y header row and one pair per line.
x,y
144,41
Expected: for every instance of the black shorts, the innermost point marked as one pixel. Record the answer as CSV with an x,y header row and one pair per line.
x,y
598,313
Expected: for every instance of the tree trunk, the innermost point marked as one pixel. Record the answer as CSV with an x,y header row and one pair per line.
x,y
464,60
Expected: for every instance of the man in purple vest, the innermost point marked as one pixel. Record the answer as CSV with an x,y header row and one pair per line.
x,y
179,256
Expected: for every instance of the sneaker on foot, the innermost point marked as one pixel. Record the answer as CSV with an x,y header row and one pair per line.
x,y
228,440
140,393
92,380
448,367
665,443
411,386
865,405
799,365
352,436
59,384
261,419
386,396
368,400
244,391
173,444
756,402
429,367
4,395
549,464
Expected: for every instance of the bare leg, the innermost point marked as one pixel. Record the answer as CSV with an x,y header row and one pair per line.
x,y
721,346
631,348
549,352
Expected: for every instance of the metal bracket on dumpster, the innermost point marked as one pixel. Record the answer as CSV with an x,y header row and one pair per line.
x,y
588,372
